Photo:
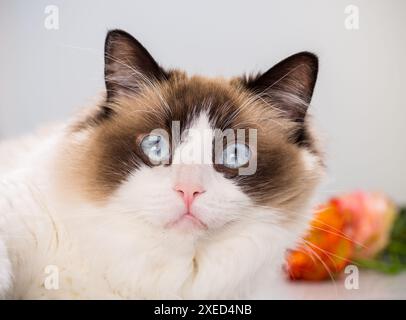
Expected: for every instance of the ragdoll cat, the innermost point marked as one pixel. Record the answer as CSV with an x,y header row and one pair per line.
x,y
114,204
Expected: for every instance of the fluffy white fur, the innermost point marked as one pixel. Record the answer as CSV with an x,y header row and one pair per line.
x,y
121,249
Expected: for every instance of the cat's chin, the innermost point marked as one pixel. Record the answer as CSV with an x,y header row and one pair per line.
x,y
187,223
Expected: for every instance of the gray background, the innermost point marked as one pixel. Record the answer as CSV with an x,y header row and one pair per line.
x,y
45,75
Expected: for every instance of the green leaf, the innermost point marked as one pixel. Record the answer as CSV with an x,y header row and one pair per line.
x,y
392,260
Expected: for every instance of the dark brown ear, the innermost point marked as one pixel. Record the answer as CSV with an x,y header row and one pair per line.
x,y
127,64
289,85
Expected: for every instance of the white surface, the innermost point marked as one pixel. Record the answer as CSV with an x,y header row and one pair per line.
x,y
372,285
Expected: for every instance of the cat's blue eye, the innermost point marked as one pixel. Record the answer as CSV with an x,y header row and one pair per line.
x,y
236,155
156,148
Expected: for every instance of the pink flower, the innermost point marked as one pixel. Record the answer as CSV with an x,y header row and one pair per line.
x,y
372,216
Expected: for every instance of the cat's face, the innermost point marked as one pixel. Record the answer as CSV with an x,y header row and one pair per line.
x,y
192,154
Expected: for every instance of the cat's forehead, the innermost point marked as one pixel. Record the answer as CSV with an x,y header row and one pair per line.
x,y
224,104
190,98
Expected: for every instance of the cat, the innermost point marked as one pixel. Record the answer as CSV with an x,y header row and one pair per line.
x,y
111,204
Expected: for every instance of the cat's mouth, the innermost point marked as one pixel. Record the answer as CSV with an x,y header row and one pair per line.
x,y
188,221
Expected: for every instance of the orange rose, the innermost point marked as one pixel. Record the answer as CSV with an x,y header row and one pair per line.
x,y
327,248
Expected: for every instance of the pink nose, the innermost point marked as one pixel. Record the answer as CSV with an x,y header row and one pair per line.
x,y
189,192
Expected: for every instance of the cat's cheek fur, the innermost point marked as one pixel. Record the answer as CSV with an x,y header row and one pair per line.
x,y
148,196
